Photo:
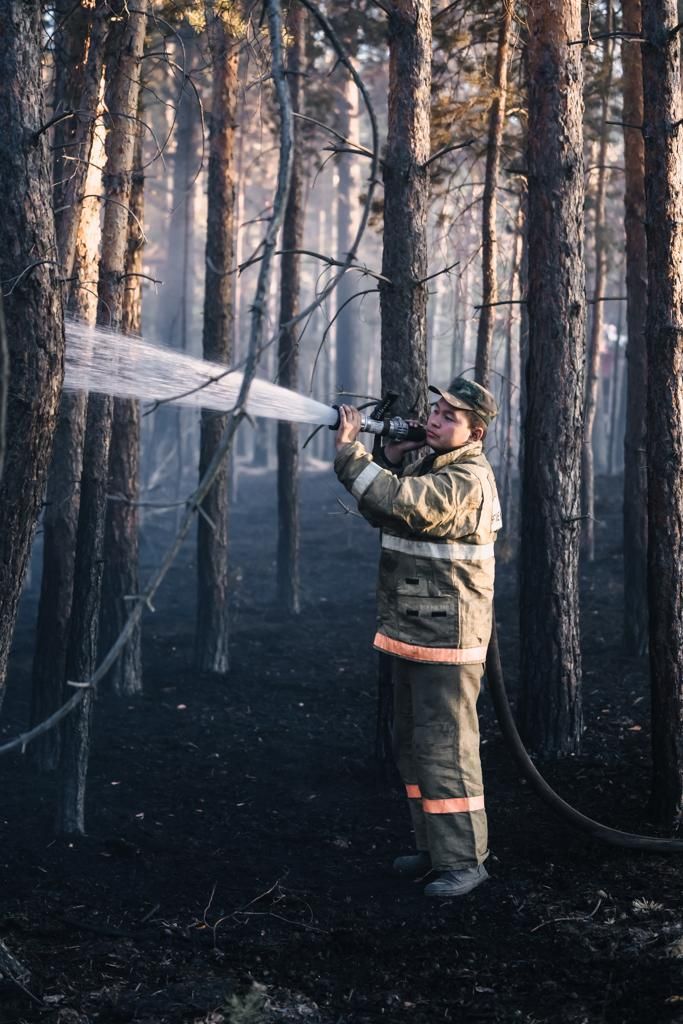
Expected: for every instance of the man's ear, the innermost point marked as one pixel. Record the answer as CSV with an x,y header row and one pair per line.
x,y
476,433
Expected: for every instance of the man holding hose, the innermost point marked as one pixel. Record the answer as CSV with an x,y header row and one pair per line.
x,y
438,518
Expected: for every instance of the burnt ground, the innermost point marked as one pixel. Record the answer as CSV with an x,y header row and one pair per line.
x,y
236,863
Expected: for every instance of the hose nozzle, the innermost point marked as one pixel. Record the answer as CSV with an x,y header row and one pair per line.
x,y
394,427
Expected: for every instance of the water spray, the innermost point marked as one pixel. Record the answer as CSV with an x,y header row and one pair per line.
x,y
103,361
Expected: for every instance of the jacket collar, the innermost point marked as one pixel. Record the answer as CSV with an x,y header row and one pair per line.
x,y
466,453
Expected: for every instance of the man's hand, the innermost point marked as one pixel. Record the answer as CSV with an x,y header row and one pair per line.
x,y
395,450
349,425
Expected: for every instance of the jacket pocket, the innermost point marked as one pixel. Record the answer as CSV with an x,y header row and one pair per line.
x,y
429,621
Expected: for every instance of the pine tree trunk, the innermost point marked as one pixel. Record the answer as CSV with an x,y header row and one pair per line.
x,y
80,42
489,249
288,354
550,704
663,116
597,318
32,301
403,302
121,578
121,98
211,637
349,374
80,47
635,440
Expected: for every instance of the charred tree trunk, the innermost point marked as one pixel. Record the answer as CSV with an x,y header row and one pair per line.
x,y
663,116
122,92
597,319
635,440
403,301
4,385
489,251
80,54
211,638
121,582
288,352
32,301
550,705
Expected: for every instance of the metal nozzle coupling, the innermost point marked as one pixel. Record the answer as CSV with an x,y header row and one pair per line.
x,y
396,428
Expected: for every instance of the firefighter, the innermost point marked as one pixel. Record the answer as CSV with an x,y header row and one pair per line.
x,y
438,518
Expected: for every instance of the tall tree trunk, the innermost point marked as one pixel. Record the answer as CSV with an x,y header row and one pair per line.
x,y
60,521
489,251
211,637
511,385
122,92
121,578
403,301
79,57
32,301
635,440
597,318
349,376
663,116
288,353
550,705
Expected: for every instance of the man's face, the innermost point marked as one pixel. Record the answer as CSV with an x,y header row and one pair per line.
x,y
447,428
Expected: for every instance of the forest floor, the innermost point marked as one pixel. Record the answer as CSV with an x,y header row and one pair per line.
x,y
236,868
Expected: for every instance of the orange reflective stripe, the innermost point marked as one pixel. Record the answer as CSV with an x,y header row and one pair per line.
x,y
456,805
413,792
442,655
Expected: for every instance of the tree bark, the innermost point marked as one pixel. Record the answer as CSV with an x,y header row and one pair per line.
x,y
32,301
122,92
211,637
597,318
663,116
288,585
635,440
121,577
349,376
79,152
403,299
79,53
489,251
550,700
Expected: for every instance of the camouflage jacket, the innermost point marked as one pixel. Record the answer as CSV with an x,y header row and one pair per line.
x,y
439,521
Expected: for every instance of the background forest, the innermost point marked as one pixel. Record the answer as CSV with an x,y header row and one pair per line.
x,y
348,202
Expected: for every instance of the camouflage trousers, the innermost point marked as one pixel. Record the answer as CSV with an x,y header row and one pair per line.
x,y
436,747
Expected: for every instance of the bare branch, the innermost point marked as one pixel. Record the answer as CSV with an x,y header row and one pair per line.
x,y
353,147
444,270
628,37
358,295
449,149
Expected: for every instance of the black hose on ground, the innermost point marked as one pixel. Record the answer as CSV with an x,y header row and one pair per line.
x,y
605,834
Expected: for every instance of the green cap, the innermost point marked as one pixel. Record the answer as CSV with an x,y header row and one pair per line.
x,y
467,394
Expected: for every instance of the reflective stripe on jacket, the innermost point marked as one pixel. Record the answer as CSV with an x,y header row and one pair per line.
x,y
439,521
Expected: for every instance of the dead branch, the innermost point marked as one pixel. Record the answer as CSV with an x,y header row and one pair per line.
x,y
438,273
449,149
352,146
357,295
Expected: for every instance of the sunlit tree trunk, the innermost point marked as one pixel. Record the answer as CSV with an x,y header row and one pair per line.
x,y
349,372
120,582
597,318
32,301
663,117
550,699
288,354
489,249
211,636
635,440
121,98
403,301
60,521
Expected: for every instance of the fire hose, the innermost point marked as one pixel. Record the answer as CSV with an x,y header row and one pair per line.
x,y
569,814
